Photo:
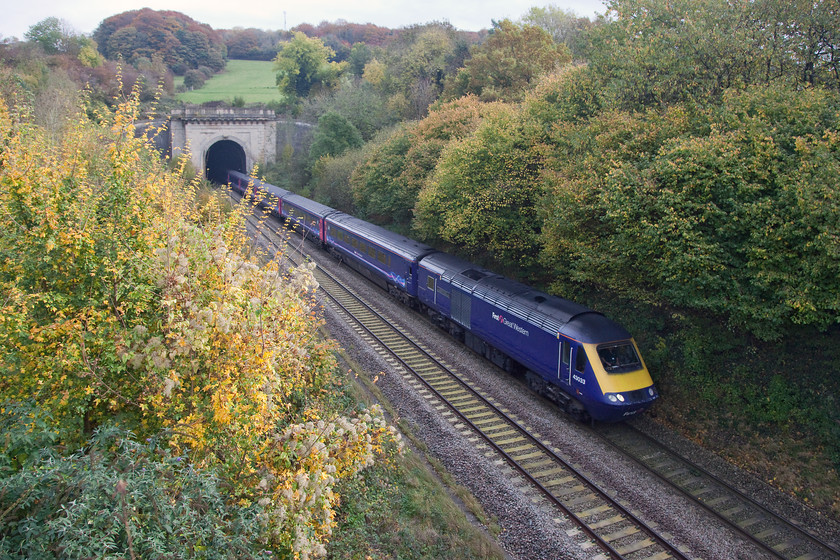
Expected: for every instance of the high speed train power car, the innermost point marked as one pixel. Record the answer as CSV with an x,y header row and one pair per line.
x,y
587,363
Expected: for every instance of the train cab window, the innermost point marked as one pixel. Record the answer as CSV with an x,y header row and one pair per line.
x,y
580,360
619,358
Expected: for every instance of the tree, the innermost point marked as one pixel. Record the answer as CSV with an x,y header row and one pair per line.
x,y
564,26
122,297
730,207
656,53
304,64
388,181
360,55
417,65
181,42
484,194
505,65
51,33
334,136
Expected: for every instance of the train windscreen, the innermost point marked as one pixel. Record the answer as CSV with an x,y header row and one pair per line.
x,y
619,358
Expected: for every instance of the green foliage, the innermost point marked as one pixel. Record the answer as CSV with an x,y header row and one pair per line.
x,y
564,26
118,498
360,55
376,184
506,64
417,65
50,34
728,207
387,183
330,182
194,79
117,305
355,100
334,136
484,193
657,53
304,63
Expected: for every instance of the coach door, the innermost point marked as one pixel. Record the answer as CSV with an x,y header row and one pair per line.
x,y
564,363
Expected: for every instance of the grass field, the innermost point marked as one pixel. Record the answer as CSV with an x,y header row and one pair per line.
x,y
252,80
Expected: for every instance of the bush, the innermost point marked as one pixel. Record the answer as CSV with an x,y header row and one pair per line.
x,y
194,79
116,499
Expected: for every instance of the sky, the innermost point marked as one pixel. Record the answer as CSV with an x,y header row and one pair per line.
x,y
83,16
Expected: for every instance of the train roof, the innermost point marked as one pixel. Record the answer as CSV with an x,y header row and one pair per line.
x,y
260,185
399,244
455,270
550,313
274,190
316,208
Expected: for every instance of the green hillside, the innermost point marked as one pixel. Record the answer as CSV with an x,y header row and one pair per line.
x,y
252,80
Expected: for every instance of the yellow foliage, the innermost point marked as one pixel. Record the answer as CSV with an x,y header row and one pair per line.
x,y
117,303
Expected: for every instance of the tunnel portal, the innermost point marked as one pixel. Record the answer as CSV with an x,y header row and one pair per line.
x,y
221,156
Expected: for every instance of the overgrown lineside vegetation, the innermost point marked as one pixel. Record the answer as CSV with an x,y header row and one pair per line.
x,y
124,304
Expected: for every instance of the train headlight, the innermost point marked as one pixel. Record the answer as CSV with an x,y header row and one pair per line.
x,y
651,391
615,397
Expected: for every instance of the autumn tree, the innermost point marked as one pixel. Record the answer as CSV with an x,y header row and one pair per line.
x,y
506,64
181,42
564,26
656,53
417,64
389,179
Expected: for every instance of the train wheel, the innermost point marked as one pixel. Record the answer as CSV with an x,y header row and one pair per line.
x,y
535,383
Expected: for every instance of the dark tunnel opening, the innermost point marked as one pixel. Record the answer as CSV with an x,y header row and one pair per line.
x,y
222,156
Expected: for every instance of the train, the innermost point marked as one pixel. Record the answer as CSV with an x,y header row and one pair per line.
x,y
585,362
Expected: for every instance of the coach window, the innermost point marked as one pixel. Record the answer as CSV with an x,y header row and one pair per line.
x,y
430,283
580,360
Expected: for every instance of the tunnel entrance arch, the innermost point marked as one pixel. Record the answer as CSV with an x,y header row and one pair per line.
x,y
222,156
218,138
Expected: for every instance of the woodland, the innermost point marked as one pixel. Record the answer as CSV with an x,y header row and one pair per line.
x,y
675,165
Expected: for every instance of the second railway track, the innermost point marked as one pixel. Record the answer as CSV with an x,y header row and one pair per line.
x,y
611,525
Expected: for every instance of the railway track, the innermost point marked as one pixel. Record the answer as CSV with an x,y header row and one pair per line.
x,y
609,524
617,531
774,534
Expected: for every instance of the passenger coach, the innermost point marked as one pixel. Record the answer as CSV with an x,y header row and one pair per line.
x,y
386,258
587,363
